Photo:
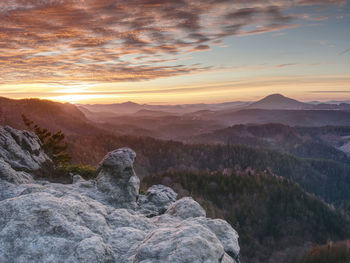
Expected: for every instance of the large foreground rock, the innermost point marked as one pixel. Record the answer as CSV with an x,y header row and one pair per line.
x,y
20,155
101,221
117,178
185,242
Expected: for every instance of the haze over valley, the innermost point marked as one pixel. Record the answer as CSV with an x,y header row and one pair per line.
x,y
277,137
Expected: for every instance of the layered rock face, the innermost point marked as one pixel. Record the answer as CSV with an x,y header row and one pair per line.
x,y
20,155
102,220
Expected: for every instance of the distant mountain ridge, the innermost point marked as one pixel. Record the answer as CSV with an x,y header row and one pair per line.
x,y
152,113
169,121
131,107
270,102
278,101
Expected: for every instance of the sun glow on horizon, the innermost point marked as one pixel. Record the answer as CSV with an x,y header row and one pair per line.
x,y
79,98
203,89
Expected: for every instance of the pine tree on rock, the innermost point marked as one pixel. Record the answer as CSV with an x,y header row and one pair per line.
x,y
52,143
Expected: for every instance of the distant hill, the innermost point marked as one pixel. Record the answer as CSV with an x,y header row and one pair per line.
x,y
52,115
98,116
278,101
306,142
180,121
271,102
175,121
152,113
131,107
117,108
287,117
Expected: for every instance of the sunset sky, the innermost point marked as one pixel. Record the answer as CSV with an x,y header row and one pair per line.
x,y
174,51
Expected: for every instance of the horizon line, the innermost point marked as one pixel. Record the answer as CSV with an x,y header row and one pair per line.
x,y
184,104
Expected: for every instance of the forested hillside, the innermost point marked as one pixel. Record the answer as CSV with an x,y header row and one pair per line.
x,y
328,179
305,142
271,214
54,116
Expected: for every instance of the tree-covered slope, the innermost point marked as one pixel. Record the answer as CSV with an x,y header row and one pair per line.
x,y
270,213
305,142
54,116
328,179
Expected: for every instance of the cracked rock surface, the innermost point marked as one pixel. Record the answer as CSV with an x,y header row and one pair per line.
x,y
102,220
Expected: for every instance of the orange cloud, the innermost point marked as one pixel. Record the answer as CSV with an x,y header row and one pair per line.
x,y
99,40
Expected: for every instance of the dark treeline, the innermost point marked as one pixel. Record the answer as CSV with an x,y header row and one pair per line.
x,y
270,213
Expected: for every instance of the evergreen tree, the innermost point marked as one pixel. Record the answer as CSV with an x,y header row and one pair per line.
x,y
53,143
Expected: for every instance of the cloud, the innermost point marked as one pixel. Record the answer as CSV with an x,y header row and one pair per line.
x,y
98,40
321,2
321,86
329,91
344,51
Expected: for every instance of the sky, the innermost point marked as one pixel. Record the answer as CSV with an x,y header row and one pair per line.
x,y
174,51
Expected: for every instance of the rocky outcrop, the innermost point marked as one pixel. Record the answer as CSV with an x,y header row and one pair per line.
x,y
117,178
102,220
20,155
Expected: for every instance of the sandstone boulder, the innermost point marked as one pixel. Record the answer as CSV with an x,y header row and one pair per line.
x,y
117,178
